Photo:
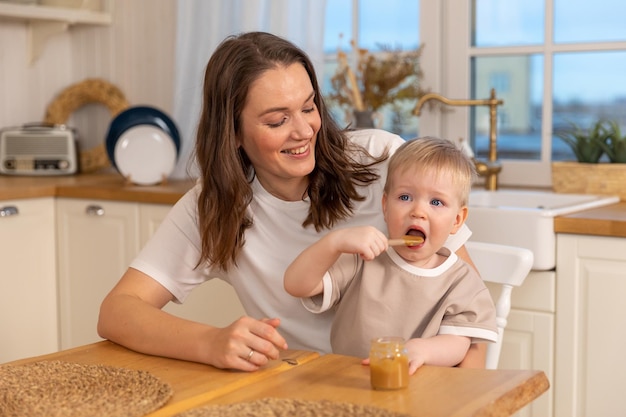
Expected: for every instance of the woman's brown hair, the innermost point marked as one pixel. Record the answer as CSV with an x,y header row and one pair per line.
x,y
226,171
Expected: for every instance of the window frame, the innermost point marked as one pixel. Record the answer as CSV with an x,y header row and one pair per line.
x,y
330,62
445,29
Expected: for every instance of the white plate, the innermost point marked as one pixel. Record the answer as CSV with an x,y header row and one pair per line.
x,y
145,155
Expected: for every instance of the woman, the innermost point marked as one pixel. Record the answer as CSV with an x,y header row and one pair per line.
x,y
276,174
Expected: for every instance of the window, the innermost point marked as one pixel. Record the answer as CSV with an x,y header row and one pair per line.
x,y
553,62
371,24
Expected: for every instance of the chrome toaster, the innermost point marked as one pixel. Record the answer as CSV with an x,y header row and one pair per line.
x,y
36,149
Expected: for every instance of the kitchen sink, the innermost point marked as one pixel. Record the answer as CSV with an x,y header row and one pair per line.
x,y
526,218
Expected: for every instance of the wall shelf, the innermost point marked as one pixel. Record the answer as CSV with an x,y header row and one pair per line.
x,y
37,13
46,21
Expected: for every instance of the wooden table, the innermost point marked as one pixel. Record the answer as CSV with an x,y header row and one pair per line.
x,y
432,392
191,382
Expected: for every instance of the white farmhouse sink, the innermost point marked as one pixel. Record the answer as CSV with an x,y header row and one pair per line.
x,y
526,218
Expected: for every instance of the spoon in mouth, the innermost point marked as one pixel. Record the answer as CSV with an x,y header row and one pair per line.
x,y
406,241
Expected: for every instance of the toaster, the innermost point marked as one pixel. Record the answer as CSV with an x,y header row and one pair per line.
x,y
36,149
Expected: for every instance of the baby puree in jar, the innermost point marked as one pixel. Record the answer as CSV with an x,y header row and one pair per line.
x,y
389,363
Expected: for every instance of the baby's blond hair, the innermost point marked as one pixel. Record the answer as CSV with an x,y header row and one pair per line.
x,y
441,155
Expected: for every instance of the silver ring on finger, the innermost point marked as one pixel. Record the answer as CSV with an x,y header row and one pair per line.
x,y
250,355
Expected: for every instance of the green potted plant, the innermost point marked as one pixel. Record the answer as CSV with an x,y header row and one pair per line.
x,y
588,174
587,144
614,145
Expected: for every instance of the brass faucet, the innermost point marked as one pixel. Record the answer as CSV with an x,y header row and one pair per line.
x,y
491,167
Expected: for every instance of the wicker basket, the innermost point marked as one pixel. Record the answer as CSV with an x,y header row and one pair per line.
x,y
583,178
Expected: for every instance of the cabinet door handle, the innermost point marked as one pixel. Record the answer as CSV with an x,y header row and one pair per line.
x,y
94,210
7,211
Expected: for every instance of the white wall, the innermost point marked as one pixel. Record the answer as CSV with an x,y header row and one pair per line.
x,y
135,53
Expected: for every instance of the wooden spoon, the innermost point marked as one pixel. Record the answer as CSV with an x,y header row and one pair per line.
x,y
406,241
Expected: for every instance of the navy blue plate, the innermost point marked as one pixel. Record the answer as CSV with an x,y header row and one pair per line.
x,y
139,115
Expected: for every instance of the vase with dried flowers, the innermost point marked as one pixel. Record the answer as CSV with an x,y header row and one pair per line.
x,y
386,77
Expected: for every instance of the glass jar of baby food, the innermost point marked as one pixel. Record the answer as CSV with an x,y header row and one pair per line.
x,y
389,363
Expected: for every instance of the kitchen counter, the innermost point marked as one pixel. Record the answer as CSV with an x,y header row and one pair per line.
x,y
601,221
110,186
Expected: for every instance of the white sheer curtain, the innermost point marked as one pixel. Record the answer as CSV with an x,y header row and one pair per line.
x,y
203,24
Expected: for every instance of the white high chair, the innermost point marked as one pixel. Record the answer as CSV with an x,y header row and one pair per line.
x,y
504,265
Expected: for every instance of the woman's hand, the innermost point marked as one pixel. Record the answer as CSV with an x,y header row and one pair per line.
x,y
132,316
246,345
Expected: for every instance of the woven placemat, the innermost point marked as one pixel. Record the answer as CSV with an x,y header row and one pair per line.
x,y
65,389
285,407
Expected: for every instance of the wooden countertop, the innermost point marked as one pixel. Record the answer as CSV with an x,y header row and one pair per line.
x,y
601,221
110,186
432,392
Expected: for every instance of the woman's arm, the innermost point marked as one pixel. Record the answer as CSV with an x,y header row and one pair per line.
x,y
131,315
464,254
476,356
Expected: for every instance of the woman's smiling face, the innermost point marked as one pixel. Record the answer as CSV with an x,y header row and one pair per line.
x,y
280,122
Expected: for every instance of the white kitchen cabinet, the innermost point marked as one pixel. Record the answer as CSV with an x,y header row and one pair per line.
x,y
151,216
28,318
96,242
529,336
214,302
590,326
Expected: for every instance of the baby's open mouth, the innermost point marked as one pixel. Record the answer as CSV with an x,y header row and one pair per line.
x,y
417,233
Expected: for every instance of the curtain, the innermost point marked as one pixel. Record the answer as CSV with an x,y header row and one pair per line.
x,y
203,24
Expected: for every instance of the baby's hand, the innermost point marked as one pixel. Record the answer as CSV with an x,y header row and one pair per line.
x,y
414,364
366,241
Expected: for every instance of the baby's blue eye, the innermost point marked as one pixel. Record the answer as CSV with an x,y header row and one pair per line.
x,y
405,197
436,202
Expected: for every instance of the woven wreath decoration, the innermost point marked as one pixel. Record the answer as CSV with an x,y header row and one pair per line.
x,y
91,90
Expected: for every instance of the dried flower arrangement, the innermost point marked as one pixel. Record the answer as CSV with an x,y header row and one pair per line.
x,y
385,77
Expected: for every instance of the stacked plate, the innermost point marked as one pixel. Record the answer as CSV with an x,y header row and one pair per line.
x,y
143,145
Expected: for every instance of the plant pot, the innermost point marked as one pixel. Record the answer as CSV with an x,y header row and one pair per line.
x,y
363,119
584,178
366,119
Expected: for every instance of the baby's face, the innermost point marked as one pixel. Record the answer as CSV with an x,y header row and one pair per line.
x,y
425,204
